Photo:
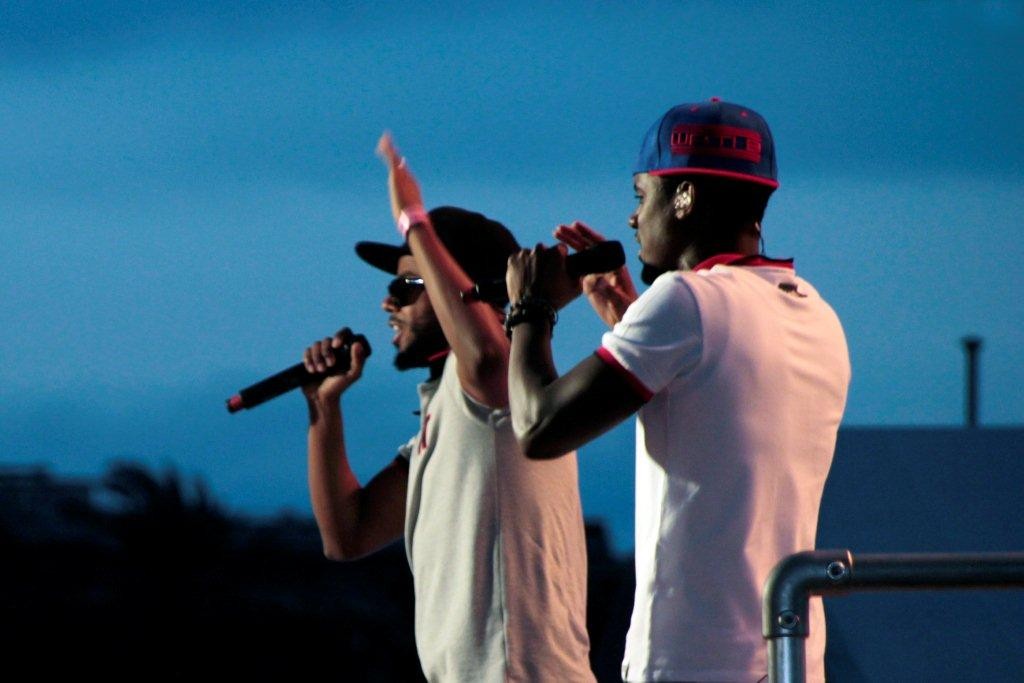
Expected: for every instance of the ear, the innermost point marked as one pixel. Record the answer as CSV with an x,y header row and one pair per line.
x,y
682,201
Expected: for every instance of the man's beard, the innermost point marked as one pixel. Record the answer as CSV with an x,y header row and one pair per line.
x,y
650,273
426,342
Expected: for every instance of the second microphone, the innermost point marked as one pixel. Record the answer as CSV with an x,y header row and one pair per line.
x,y
603,257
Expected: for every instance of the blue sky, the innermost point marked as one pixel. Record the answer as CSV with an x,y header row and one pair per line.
x,y
183,183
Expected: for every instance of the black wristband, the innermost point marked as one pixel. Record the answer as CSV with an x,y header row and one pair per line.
x,y
529,309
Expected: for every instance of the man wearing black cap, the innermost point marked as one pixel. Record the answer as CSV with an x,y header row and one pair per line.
x,y
739,371
495,541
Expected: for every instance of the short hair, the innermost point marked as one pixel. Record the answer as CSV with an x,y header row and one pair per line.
x,y
730,204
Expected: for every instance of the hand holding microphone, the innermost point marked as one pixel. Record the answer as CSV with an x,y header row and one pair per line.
x,y
601,257
611,290
333,364
539,276
328,367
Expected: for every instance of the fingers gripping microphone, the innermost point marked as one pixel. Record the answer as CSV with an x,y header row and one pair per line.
x,y
603,257
292,378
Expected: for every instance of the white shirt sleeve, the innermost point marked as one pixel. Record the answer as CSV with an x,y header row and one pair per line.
x,y
659,337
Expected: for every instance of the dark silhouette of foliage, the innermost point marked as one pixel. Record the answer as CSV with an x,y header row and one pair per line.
x,y
166,580
160,518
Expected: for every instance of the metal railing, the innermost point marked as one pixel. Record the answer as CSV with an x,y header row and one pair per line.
x,y
784,611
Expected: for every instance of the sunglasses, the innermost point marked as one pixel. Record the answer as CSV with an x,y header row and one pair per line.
x,y
405,290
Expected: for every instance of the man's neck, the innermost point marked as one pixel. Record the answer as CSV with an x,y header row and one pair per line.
x,y
436,363
690,259
745,245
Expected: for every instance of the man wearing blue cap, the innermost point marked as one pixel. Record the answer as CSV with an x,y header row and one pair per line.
x,y
739,371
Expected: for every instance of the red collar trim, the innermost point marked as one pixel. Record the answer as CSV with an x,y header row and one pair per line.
x,y
438,356
751,260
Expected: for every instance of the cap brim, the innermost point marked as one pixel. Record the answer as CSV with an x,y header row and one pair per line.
x,y
696,170
380,255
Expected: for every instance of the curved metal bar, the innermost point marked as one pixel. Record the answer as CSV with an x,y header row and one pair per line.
x,y
784,609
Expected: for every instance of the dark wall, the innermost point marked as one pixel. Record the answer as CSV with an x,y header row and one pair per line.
x,y
926,490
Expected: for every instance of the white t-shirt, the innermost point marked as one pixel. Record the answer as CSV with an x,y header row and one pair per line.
x,y
746,369
496,546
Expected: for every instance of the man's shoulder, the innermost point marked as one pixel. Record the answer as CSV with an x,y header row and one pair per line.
x,y
448,389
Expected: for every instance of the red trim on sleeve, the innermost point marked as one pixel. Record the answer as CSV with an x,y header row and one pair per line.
x,y
631,379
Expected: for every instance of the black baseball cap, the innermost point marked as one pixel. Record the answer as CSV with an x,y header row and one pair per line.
x,y
479,245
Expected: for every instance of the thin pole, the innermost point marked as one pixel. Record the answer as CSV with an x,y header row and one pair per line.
x,y
972,345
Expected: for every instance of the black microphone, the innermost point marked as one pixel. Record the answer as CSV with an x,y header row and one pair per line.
x,y
600,258
292,378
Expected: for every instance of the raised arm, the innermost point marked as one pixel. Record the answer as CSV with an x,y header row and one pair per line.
x,y
550,414
353,520
473,328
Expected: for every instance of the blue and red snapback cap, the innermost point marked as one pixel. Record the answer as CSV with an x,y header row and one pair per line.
x,y
710,138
